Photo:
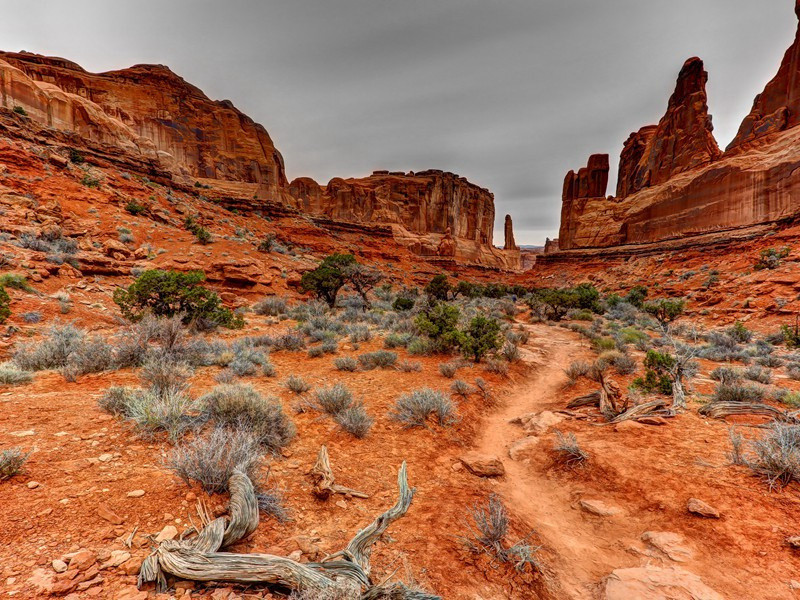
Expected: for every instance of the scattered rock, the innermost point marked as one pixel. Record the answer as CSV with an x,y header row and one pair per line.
x,y
698,507
483,465
59,566
130,592
132,566
520,448
82,560
794,541
32,485
105,457
658,421
599,508
538,423
26,433
170,532
104,512
135,494
671,544
655,583
116,559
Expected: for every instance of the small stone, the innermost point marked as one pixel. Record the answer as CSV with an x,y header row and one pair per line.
x,y
794,584
520,448
59,566
170,532
599,508
116,559
135,494
698,507
191,497
483,465
132,566
341,504
794,541
105,457
296,555
26,433
104,512
32,485
83,560
671,544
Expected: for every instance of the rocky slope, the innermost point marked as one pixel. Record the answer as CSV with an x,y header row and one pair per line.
x,y
673,180
151,114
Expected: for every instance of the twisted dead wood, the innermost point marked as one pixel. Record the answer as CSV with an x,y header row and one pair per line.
x,y
720,410
324,481
200,559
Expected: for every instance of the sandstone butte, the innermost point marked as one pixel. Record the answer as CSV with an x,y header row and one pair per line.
x,y
674,183
171,130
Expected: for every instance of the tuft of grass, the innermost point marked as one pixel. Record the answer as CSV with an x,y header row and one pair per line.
x,y
333,399
758,374
11,374
15,281
409,366
354,420
168,411
11,462
346,363
461,388
777,455
272,306
414,409
242,407
576,370
297,384
568,451
449,369
383,359
726,375
736,392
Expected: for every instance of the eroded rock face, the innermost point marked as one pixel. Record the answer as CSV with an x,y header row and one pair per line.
x,y
589,182
777,108
673,181
149,109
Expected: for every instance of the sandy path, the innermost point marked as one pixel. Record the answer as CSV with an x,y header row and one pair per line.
x,y
587,548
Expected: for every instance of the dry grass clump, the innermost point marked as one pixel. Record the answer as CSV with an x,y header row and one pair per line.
x,y
461,388
11,374
273,306
380,359
736,392
409,366
777,455
11,462
242,407
576,370
350,414
568,451
414,409
297,384
449,369
346,363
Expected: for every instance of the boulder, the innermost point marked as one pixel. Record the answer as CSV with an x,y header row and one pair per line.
x,y
702,509
483,465
521,448
538,423
656,583
669,543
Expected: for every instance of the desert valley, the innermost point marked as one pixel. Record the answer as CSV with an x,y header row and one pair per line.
x,y
219,383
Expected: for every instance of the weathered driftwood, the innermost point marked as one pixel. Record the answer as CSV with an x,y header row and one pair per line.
x,y
654,408
199,558
720,410
324,481
591,399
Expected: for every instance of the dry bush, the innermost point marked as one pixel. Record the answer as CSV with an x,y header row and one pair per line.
x,y
449,369
461,388
11,374
346,363
380,359
777,455
726,375
297,384
337,401
409,366
155,411
11,461
272,306
416,408
735,392
568,451
576,370
354,420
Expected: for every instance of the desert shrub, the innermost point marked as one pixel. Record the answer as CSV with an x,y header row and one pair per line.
x,y
297,384
414,409
164,373
791,334
739,332
726,375
354,420
777,455
397,340
636,296
211,459
601,344
770,362
581,315
346,363
576,370
272,306
448,369
268,369
461,388
225,376
402,304
11,374
791,399
656,378
737,392
624,364
19,110
33,316
168,411
116,400
439,323
134,208
90,180
489,532
52,352
793,371
665,310
242,407
758,374
359,333
91,356
383,359
11,462
438,288
498,367
290,341
15,281
481,336
333,399
483,390
408,366
170,293
315,352
771,258
420,347
736,455
5,305
568,451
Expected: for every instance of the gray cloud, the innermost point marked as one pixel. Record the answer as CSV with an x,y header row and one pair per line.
x,y
509,93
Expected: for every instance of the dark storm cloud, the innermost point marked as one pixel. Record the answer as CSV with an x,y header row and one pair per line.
x,y
509,93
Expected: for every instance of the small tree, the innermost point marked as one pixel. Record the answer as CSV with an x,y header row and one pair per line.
x,y
555,302
636,295
439,322
5,302
362,279
438,288
170,293
481,336
665,310
328,278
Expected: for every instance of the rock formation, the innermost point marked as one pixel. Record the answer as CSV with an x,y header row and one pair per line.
x,y
673,182
777,108
150,113
509,244
447,247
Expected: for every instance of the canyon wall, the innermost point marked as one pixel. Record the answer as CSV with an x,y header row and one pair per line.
x,y
150,112
673,180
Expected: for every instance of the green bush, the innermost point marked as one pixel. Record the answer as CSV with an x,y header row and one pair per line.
x,y
771,258
665,310
90,181
20,111
481,336
403,304
636,296
656,378
439,322
5,305
76,157
438,288
169,293
134,208
15,281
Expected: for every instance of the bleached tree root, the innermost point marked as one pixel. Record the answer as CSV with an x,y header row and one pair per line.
x,y
720,410
654,408
199,558
324,481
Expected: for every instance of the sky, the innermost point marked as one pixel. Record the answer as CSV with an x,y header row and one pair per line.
x,y
511,94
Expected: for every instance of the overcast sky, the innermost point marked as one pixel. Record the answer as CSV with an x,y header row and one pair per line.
x,y
509,93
